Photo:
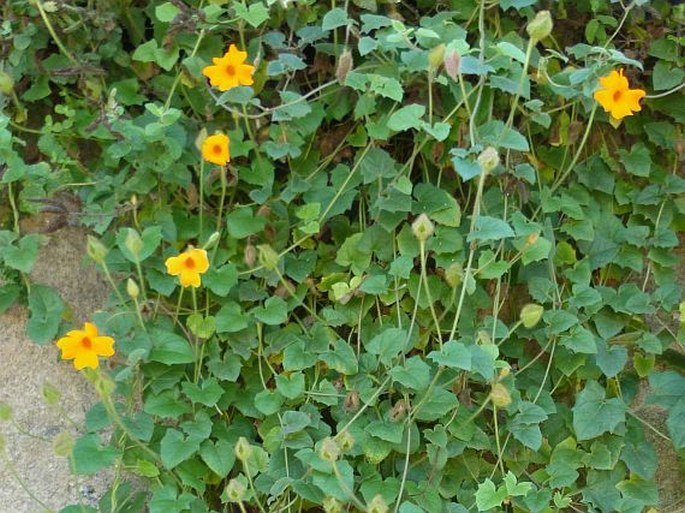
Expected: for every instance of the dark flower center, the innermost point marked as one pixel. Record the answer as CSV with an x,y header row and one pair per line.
x,y
86,343
230,70
617,95
217,149
189,263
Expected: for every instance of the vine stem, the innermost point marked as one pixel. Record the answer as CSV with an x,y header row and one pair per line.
x,y
54,35
573,163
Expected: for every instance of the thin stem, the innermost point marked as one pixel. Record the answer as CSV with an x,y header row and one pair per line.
x,y
424,279
54,35
573,163
13,472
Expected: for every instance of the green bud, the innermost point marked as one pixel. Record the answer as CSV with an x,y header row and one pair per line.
x,y
132,289
329,450
332,505
5,412
377,505
96,250
454,274
50,394
236,489
62,444
212,240
243,449
345,441
436,57
500,396
133,242
268,257
488,159
531,314
6,83
541,26
422,228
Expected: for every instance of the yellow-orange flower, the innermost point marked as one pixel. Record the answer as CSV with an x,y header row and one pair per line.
x,y
230,70
188,266
616,97
215,149
84,346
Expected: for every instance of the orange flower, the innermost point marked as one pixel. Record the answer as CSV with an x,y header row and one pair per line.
x,y
188,266
84,346
230,70
215,149
616,97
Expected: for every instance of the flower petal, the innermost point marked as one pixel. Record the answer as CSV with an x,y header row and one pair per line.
x,y
86,359
236,56
90,329
69,346
190,278
174,265
620,110
102,346
199,256
244,73
605,98
633,97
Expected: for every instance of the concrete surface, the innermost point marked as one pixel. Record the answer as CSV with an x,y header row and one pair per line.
x,y
26,367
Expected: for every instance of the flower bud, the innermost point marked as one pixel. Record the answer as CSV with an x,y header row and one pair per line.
x,y
235,489
436,57
212,240
329,450
422,228
63,444
345,64
541,26
5,411
345,440
250,255
96,250
332,505
243,449
377,505
132,289
488,159
454,274
531,314
500,395
532,238
6,83
133,242
268,257
51,6
452,64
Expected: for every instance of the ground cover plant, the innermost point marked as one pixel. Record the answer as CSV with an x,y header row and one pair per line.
x,y
365,256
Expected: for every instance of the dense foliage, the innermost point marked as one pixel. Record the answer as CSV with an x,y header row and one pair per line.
x,y
440,274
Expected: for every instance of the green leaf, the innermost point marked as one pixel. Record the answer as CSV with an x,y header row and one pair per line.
x,y
290,386
22,256
454,355
166,12
638,161
334,18
149,242
439,403
488,496
438,204
268,402
219,456
414,374
255,15
170,349
230,318
46,309
90,456
676,424
175,448
388,344
516,4
594,414
208,392
201,327
407,117
341,358
665,76
377,163
490,228
274,311
167,500
242,223
496,133
222,279
8,295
